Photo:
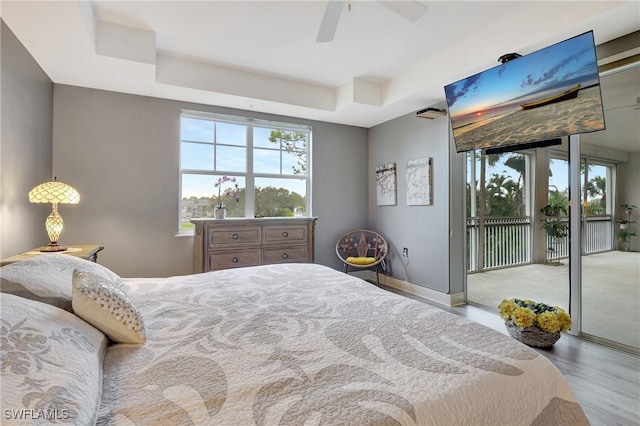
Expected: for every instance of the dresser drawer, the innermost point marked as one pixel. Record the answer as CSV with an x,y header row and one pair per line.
x,y
227,259
285,255
249,235
285,234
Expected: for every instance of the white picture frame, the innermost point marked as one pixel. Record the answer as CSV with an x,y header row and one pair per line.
x,y
419,185
386,184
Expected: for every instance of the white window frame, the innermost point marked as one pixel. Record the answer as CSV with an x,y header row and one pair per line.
x,y
249,175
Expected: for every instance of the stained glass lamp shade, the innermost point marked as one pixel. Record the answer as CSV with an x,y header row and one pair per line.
x,y
54,192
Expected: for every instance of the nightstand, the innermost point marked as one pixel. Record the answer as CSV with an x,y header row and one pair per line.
x,y
86,251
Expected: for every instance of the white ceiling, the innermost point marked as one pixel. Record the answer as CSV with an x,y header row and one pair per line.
x,y
263,55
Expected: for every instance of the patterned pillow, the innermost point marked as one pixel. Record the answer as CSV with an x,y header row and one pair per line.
x,y
51,364
103,304
47,278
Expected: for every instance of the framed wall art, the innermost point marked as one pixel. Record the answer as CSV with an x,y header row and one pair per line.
x,y
419,190
386,184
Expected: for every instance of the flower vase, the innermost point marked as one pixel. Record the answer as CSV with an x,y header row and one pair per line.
x,y
532,336
220,212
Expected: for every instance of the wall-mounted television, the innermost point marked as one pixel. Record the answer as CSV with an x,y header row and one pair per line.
x,y
547,94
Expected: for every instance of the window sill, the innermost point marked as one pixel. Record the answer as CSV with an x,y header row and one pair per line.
x,y
184,235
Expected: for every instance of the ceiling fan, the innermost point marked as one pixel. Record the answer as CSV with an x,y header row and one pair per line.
x,y
412,10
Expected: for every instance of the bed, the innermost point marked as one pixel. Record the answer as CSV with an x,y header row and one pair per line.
x,y
269,345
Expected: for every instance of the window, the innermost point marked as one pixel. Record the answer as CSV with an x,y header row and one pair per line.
x,y
266,165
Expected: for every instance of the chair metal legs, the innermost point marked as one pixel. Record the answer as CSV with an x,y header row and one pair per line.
x,y
346,271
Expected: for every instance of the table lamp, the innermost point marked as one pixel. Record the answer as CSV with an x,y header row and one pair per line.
x,y
54,192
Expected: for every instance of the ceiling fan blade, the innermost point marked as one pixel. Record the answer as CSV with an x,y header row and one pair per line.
x,y
411,10
330,21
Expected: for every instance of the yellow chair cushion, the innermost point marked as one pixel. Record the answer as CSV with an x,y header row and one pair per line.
x,y
361,260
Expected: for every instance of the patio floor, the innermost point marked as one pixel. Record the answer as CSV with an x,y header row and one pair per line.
x,y
610,291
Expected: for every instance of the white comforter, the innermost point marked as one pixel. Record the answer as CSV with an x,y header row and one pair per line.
x,y
305,344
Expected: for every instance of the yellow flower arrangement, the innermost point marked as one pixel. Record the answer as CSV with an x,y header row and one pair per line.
x,y
527,313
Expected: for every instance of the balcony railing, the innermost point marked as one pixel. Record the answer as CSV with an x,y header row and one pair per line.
x,y
507,241
558,248
598,236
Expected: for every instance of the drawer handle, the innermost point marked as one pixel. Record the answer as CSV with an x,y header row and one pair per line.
x,y
285,256
235,236
235,260
285,234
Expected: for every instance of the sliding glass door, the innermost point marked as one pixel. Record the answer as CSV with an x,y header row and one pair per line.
x,y
610,177
508,250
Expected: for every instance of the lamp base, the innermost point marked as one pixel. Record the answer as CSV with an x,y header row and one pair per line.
x,y
53,247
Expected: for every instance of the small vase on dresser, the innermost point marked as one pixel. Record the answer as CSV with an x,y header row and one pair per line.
x,y
220,212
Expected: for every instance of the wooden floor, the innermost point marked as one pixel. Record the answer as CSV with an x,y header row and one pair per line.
x,y
605,381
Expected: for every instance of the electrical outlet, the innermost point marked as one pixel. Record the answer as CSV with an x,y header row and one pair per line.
x,y
405,252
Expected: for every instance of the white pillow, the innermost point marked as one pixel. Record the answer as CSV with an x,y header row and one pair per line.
x,y
103,304
51,364
47,277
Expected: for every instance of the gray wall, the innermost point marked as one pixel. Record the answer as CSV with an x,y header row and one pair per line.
x,y
25,146
424,230
457,220
121,152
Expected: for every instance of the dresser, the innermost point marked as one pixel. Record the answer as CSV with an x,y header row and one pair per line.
x,y
234,243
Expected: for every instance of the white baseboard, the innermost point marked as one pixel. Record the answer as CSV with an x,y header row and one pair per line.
x,y
455,299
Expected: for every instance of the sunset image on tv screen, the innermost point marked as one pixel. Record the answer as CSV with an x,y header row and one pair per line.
x,y
547,94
